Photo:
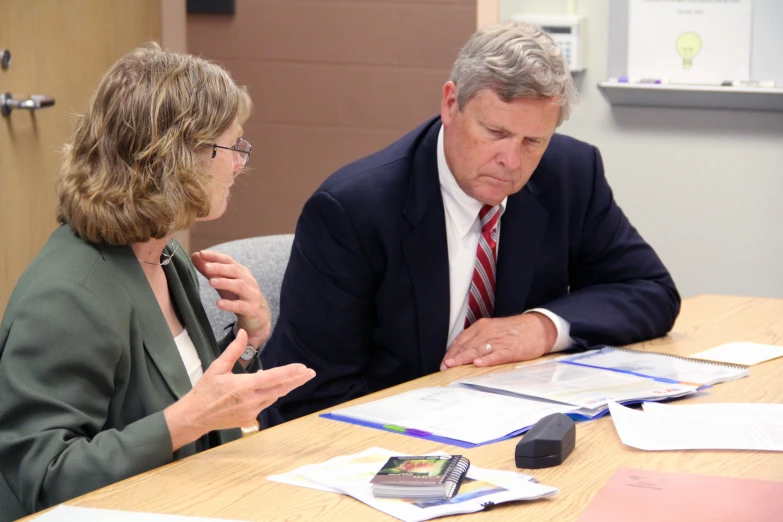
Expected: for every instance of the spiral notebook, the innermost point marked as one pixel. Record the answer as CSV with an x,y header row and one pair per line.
x,y
662,366
431,477
589,380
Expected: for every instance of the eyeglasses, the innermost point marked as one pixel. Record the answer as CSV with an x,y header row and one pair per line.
x,y
241,150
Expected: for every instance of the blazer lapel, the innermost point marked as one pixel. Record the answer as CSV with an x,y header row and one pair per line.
x,y
184,294
523,227
156,336
426,251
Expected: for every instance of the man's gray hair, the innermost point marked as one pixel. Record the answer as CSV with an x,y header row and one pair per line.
x,y
515,60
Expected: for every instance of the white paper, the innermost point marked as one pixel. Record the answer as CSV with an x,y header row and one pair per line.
x,y
741,353
455,412
700,426
690,41
577,385
65,513
659,365
351,475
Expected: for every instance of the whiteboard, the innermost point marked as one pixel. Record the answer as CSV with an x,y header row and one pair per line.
x,y
766,46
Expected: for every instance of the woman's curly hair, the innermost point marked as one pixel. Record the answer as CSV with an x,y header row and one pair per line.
x,y
137,166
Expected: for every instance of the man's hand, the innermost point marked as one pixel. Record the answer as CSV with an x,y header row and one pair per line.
x,y
489,342
239,293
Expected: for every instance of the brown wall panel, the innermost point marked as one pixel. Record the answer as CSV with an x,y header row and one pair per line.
x,y
340,95
383,33
332,81
287,151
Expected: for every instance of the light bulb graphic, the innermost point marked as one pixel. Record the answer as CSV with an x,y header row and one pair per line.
x,y
688,45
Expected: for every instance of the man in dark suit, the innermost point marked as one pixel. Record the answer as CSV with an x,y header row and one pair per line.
x,y
481,237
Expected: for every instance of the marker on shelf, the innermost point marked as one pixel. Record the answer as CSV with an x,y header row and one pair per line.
x,y
770,84
626,79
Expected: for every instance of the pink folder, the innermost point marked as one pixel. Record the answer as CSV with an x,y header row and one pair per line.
x,y
655,496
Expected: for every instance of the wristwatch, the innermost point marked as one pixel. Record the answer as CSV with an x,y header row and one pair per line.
x,y
249,353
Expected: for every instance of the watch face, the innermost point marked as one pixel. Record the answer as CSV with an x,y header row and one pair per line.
x,y
248,354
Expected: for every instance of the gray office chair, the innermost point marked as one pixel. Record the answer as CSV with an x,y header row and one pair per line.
x,y
267,258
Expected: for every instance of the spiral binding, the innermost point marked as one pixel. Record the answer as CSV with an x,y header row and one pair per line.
x,y
488,505
692,359
455,475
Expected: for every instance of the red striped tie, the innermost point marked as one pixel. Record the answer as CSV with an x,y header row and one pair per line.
x,y
481,300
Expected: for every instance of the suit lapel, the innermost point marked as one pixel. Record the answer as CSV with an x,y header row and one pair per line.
x,y
426,251
183,293
156,336
523,227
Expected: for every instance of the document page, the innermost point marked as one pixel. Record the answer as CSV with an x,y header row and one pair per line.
x,y
351,475
659,365
578,385
65,513
640,495
741,353
455,412
700,426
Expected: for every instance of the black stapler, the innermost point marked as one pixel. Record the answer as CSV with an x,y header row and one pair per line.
x,y
548,442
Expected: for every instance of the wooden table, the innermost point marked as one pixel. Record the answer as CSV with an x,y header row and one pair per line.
x,y
230,481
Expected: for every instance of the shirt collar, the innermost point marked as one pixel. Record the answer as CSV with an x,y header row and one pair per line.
x,y
462,209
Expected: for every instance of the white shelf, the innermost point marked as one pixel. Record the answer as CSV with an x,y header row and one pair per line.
x,y
693,96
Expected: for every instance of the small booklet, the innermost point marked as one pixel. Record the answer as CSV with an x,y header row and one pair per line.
x,y
421,477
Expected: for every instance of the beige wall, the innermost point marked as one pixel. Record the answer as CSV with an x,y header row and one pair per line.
x,y
331,81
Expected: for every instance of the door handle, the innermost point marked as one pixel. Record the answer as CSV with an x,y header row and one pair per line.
x,y
35,102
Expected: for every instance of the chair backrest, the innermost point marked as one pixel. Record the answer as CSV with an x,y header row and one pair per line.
x,y
267,258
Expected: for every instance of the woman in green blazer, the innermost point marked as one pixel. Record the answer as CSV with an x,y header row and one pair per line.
x,y
108,366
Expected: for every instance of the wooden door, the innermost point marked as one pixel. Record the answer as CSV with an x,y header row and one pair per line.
x,y
59,48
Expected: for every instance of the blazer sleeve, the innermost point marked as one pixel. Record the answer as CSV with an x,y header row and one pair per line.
x,y
59,355
328,270
620,291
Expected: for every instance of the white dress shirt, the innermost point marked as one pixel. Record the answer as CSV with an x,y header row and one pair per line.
x,y
463,230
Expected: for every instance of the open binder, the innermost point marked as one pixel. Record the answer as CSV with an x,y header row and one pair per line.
x,y
661,365
589,380
497,406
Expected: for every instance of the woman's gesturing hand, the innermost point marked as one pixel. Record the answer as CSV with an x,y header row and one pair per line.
x,y
222,399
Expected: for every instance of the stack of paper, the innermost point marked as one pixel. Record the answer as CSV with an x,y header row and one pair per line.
x,y
581,386
700,426
456,413
351,475
495,406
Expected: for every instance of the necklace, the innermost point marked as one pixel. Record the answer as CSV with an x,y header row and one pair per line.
x,y
167,257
